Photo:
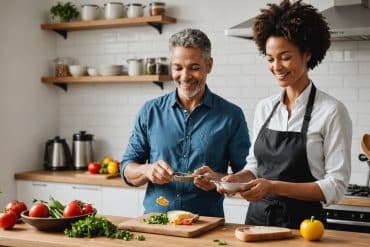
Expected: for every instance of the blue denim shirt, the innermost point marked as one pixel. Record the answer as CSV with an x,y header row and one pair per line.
x,y
215,133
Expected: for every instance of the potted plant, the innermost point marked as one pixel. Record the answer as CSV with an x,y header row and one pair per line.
x,y
65,12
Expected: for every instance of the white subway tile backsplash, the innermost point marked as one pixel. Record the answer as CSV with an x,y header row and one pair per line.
x,y
364,68
240,74
343,68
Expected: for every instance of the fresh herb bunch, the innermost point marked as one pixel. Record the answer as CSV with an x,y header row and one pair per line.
x,y
65,12
157,219
93,226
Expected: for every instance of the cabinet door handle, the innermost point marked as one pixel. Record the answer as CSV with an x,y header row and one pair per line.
x,y
39,185
85,188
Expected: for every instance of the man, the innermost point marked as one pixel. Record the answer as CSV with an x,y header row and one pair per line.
x,y
188,130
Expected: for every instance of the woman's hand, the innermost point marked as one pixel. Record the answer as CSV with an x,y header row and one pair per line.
x,y
256,189
159,172
203,177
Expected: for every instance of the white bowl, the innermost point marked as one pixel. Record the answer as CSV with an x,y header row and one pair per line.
x,y
92,71
231,187
107,70
77,70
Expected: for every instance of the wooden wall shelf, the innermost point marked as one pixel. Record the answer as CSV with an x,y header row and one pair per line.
x,y
62,82
154,21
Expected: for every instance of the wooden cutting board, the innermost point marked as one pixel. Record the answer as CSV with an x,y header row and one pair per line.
x,y
203,224
102,176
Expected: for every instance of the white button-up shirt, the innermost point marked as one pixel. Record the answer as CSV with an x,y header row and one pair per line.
x,y
329,138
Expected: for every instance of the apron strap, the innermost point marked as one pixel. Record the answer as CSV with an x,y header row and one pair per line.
x,y
270,116
309,107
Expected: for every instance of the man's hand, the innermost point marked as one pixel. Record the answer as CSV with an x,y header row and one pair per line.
x,y
159,172
203,177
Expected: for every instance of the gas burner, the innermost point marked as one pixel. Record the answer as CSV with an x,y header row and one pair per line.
x,y
357,190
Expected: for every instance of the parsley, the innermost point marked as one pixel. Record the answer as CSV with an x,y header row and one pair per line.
x,y
157,219
93,226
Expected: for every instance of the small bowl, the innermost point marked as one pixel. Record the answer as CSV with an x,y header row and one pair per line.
x,y
77,70
92,71
231,187
51,224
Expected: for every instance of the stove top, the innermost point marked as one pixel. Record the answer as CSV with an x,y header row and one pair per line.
x,y
357,190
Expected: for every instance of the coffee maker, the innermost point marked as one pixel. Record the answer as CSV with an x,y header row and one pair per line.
x,y
57,155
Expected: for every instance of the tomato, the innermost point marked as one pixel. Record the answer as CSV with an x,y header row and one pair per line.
x,y
311,229
17,207
72,209
8,220
39,210
187,222
87,209
93,167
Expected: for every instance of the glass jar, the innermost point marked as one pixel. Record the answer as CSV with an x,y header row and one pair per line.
x,y
157,8
61,66
150,66
161,66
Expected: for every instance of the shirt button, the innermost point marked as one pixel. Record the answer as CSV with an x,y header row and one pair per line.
x,y
185,155
187,137
178,195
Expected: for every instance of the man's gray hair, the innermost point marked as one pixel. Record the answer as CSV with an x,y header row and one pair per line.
x,y
191,38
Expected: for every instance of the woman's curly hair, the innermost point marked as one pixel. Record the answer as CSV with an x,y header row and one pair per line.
x,y
299,23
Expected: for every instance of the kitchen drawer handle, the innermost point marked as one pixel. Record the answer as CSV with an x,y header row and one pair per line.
x,y
348,222
85,188
40,185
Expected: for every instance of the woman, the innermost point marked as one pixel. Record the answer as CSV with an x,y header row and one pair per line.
x,y
300,157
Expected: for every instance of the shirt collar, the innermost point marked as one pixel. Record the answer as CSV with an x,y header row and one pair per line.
x,y
207,98
302,98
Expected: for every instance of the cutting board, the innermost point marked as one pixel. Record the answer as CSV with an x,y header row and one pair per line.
x,y
203,224
102,176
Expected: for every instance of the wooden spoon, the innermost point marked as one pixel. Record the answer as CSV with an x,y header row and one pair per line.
x,y
365,145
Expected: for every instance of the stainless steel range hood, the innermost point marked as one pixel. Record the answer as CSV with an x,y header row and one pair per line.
x,y
346,22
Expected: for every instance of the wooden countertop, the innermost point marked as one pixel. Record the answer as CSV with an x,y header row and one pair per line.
x,y
27,236
70,177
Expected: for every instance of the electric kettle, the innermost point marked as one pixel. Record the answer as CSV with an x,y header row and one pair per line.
x,y
57,155
82,150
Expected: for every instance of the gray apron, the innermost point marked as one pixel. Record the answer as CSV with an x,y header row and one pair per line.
x,y
282,155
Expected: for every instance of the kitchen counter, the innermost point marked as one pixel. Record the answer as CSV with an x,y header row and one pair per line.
x,y
26,235
70,177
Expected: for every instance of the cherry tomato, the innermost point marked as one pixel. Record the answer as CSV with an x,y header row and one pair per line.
x,y
72,209
39,210
87,209
8,220
17,207
93,167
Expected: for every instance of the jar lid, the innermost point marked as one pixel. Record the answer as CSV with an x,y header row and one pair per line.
x,y
135,4
118,3
82,136
157,3
89,5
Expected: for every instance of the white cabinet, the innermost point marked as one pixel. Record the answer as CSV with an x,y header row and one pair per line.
x,y
121,201
235,210
29,190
